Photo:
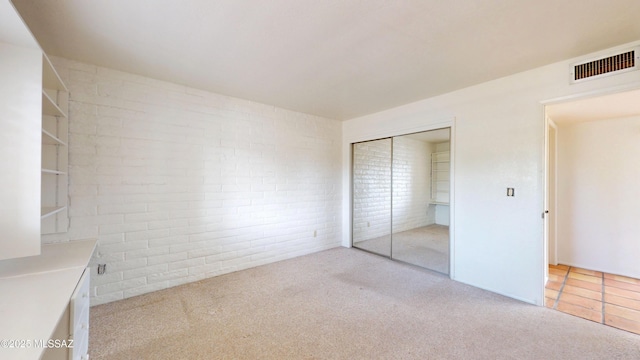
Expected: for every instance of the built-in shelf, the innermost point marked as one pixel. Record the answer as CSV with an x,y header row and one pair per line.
x,y
50,139
440,178
55,152
50,78
53,172
49,106
49,211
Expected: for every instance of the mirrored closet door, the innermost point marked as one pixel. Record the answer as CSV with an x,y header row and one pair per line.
x,y
404,181
372,196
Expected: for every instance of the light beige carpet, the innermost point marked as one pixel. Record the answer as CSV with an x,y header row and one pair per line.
x,y
426,246
343,304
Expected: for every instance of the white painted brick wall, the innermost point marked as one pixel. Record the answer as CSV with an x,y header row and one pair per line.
x,y
179,184
373,182
411,184
371,189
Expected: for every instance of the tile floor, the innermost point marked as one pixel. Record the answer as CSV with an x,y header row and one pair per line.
x,y
612,300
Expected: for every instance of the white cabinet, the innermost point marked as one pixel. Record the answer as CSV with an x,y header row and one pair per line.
x,y
79,319
55,153
73,327
44,298
440,168
20,138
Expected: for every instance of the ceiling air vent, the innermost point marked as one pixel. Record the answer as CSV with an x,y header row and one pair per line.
x,y
612,65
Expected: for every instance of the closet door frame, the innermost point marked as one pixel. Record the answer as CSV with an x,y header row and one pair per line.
x,y
349,141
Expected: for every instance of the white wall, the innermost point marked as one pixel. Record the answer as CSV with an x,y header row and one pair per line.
x,y
599,193
20,143
497,142
179,184
411,184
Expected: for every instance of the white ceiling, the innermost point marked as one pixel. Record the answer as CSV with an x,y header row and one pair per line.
x,y
335,58
613,106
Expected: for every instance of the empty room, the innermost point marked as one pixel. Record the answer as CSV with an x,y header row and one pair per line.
x,y
319,179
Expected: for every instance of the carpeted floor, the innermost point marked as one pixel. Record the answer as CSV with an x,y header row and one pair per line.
x,y
426,246
343,304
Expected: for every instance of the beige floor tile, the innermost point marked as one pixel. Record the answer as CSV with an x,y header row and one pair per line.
x,y
559,272
622,285
580,311
554,285
550,293
584,284
581,301
587,278
622,323
622,278
586,272
622,292
582,296
559,266
623,312
595,295
549,302
557,278
622,301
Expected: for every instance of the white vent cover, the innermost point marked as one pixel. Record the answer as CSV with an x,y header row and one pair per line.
x,y
611,65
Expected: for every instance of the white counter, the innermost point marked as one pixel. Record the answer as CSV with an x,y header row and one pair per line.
x,y
35,292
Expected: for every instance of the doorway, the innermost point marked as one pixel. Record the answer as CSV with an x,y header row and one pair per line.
x,y
551,185
591,193
592,181
400,202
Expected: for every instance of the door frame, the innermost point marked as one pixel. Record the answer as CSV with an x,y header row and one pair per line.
x,y
348,141
550,198
545,175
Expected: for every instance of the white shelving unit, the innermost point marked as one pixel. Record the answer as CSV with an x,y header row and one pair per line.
x,y
440,168
55,152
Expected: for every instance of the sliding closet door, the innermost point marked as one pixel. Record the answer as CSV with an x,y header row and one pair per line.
x,y
420,202
372,196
